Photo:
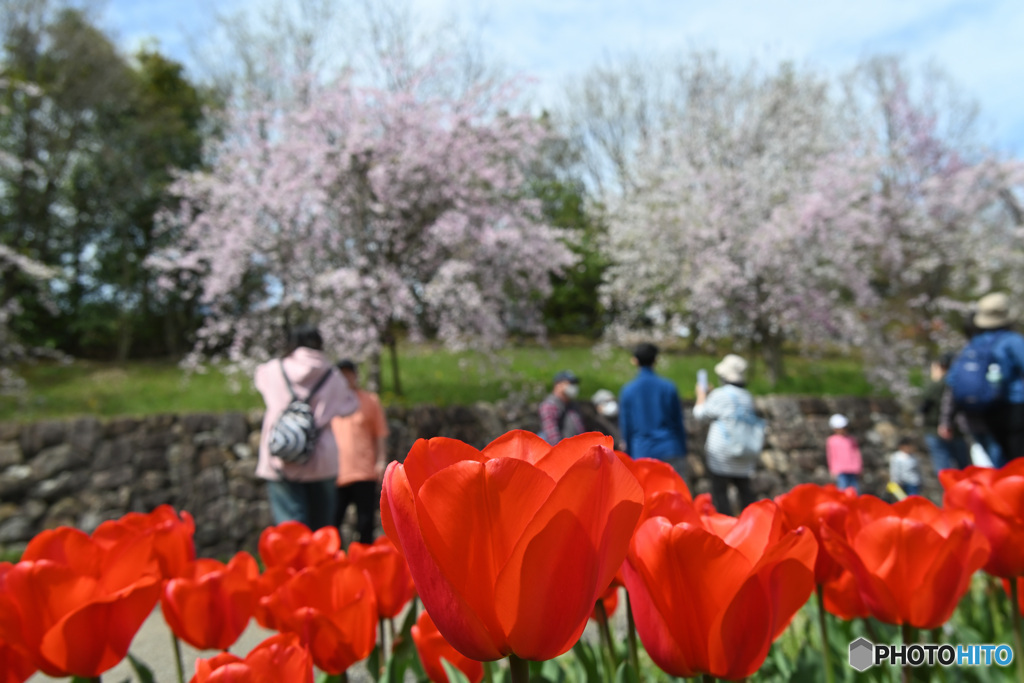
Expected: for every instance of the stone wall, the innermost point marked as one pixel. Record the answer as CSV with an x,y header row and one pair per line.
x,y
82,472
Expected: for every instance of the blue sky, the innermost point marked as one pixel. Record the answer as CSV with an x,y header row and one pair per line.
x,y
980,43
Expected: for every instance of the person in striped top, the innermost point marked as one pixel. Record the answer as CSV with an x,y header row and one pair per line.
x,y
721,406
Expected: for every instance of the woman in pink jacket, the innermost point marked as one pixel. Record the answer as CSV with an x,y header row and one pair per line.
x,y
306,492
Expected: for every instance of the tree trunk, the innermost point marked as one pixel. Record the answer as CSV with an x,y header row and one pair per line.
x,y
396,382
373,374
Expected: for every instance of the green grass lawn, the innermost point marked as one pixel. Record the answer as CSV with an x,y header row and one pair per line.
x,y
429,375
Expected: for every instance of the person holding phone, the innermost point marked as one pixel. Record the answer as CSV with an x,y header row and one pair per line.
x,y
651,414
730,460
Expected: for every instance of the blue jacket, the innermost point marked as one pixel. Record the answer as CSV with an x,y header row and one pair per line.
x,y
651,417
1010,349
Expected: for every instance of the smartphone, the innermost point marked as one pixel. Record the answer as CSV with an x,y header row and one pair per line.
x,y
702,379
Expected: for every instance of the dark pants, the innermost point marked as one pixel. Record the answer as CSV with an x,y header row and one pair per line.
x,y
947,454
309,502
720,492
1007,426
365,496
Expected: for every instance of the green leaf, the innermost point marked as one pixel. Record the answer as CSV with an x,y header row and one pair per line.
x,y
625,674
455,675
144,673
373,663
587,658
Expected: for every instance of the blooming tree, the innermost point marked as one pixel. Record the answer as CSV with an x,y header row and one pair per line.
x,y
931,218
703,237
367,210
770,209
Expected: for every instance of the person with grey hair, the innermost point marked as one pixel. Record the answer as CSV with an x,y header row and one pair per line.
x,y
735,436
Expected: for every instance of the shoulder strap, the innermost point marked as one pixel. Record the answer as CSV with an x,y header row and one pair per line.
x,y
287,383
319,383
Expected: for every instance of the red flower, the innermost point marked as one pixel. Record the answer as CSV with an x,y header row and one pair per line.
x,y
278,658
76,614
173,545
813,506
996,499
664,489
431,647
732,589
511,546
15,663
388,572
210,606
912,561
332,608
609,600
293,545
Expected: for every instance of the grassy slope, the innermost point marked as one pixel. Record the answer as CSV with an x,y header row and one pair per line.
x,y
428,376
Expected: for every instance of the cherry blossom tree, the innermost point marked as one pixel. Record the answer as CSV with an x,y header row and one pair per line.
x,y
369,211
932,217
701,235
772,210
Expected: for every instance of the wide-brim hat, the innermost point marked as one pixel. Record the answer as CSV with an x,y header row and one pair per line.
x,y
993,312
732,369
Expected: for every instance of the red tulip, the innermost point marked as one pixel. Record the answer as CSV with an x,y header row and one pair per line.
x,y
293,545
79,624
732,591
332,608
15,662
511,546
912,561
210,606
664,489
278,658
432,647
173,544
812,506
996,499
388,572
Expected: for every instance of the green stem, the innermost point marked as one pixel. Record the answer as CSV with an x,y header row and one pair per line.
x,y
488,676
519,668
823,626
383,644
606,639
909,638
707,678
1018,640
177,658
634,654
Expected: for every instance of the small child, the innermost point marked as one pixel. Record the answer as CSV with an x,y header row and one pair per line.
x,y
843,455
904,470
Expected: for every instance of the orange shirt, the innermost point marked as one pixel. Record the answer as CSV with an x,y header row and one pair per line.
x,y
357,437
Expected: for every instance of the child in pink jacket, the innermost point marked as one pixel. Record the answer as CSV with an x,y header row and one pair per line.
x,y
843,454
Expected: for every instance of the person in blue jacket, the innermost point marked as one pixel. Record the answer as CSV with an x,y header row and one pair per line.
x,y
651,414
1004,419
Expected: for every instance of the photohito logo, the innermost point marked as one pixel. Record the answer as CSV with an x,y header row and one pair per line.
x,y
864,654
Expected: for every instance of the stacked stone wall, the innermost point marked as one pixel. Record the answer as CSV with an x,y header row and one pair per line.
x,y
84,471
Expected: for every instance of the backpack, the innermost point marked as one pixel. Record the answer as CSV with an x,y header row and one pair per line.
x,y
294,434
979,376
744,435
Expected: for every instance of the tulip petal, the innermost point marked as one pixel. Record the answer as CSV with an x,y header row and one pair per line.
x,y
428,457
460,625
96,637
568,554
674,618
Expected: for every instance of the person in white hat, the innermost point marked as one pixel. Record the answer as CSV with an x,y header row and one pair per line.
x,y
843,454
986,380
732,447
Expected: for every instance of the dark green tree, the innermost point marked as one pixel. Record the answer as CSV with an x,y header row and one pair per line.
x,y
93,138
